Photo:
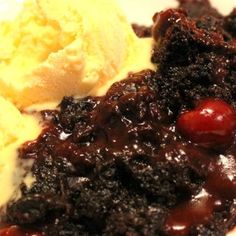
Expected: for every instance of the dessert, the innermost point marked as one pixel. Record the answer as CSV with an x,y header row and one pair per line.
x,y
154,155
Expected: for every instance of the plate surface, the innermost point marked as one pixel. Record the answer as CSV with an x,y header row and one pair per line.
x,y
141,11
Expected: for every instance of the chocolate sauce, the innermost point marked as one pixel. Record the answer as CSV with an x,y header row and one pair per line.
x,y
127,129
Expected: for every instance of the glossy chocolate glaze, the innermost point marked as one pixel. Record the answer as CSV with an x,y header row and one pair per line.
x,y
125,125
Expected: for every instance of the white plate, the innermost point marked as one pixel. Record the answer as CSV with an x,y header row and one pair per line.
x,y
141,11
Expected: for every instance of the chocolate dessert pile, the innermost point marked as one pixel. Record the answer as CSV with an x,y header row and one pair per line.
x,y
121,164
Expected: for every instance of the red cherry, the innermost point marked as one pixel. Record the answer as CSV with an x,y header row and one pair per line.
x,y
16,231
211,124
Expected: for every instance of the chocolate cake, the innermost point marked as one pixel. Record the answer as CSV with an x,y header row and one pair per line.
x,y
156,155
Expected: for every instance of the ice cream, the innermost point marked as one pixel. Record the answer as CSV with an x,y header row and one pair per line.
x,y
75,47
15,129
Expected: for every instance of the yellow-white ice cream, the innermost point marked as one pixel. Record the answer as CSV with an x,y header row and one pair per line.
x,y
15,129
74,47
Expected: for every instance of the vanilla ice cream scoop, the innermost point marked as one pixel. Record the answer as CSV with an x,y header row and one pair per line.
x,y
56,48
15,129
